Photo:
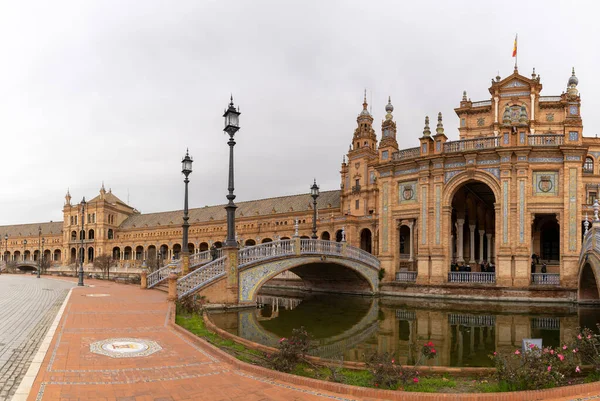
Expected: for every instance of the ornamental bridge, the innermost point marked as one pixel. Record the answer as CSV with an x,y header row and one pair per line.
x,y
236,275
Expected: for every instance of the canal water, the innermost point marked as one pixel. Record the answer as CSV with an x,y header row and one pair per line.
x,y
352,327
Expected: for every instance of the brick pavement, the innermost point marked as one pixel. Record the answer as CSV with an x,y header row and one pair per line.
x,y
27,308
182,370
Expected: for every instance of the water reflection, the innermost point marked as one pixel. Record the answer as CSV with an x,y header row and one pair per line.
x,y
352,327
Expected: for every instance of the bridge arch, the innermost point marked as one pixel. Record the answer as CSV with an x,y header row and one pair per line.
x,y
320,273
589,275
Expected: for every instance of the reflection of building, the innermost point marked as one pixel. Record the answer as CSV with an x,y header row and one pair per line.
x,y
516,182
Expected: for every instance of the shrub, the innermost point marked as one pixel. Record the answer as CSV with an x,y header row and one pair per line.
x,y
587,346
536,368
291,350
387,373
381,273
191,304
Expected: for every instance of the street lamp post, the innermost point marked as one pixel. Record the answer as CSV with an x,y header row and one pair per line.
x,y
40,249
232,116
314,192
6,246
24,248
186,169
80,282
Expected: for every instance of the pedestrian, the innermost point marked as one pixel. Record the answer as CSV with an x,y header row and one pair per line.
x,y
544,270
213,252
532,267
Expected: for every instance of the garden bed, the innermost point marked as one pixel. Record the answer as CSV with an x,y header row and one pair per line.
x,y
422,379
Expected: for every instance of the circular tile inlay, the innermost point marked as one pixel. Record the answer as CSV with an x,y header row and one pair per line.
x,y
125,347
97,295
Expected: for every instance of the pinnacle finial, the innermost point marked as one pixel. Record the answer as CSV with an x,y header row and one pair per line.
x,y
586,224
573,71
596,210
426,130
344,159
440,126
365,104
464,98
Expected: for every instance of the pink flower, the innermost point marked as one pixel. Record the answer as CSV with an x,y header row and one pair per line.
x,y
281,340
415,380
577,370
376,384
495,353
517,352
551,352
532,346
429,344
560,357
433,351
579,336
589,336
575,350
393,361
565,347
549,368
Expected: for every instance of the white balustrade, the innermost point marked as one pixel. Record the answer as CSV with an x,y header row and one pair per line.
x,y
404,154
161,274
545,278
410,277
265,251
200,277
545,140
472,277
472,144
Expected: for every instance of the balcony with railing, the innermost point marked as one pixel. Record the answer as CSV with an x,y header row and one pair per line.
x,y
545,278
356,189
472,277
404,154
545,140
406,277
472,144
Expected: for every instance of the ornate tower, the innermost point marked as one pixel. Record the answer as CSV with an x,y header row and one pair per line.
x,y
388,144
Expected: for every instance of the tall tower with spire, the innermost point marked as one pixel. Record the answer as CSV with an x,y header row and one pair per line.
x,y
359,180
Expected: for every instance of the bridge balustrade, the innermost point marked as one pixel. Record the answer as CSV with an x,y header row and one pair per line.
x,y
201,276
545,278
265,251
472,277
162,274
308,246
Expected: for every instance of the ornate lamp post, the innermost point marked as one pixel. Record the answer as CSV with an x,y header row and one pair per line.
x,y
314,192
80,282
232,125
186,169
6,246
24,248
40,249
43,242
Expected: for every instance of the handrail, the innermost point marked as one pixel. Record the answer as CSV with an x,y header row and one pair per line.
x,y
410,277
161,274
481,103
545,139
200,277
268,250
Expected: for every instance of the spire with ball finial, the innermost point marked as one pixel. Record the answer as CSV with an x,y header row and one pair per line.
x,y
440,126
426,130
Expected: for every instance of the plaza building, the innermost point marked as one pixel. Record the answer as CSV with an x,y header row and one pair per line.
x,y
519,181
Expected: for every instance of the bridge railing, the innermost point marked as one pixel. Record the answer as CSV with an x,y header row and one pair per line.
x,y
201,276
265,251
409,277
310,246
156,277
204,256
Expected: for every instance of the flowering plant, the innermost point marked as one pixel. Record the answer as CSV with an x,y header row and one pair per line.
x,y
535,368
587,345
291,350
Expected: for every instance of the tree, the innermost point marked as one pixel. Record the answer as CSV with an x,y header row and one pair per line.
x,y
104,262
46,263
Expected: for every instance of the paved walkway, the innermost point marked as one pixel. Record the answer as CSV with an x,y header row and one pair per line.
x,y
28,306
177,370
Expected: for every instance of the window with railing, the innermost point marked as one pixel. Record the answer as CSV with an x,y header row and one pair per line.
x,y
588,166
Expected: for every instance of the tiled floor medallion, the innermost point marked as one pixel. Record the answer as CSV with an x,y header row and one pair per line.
x,y
125,347
97,295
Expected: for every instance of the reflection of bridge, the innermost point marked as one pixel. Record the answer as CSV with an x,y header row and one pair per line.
x,y
236,275
332,347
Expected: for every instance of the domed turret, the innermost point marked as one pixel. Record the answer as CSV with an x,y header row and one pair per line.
x,y
573,81
389,107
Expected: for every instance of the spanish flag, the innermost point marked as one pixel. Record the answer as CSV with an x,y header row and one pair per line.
x,y
515,47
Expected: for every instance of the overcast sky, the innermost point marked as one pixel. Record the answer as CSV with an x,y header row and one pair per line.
x,y
115,91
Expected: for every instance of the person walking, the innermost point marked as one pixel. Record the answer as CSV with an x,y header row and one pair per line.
x,y
213,252
544,271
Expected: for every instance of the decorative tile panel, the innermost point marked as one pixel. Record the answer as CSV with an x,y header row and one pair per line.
x,y
505,212
505,159
408,171
438,165
449,174
438,214
456,164
424,148
407,192
495,171
521,211
383,174
572,209
506,138
546,159
424,167
384,155
522,158
573,136
384,216
489,161
545,183
571,158
438,146
514,94
424,211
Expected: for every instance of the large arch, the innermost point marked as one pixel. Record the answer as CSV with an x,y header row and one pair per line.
x,y
57,255
470,204
587,286
330,274
366,240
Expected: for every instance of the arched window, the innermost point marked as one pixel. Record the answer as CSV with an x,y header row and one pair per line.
x,y
73,235
588,166
110,233
81,234
91,234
